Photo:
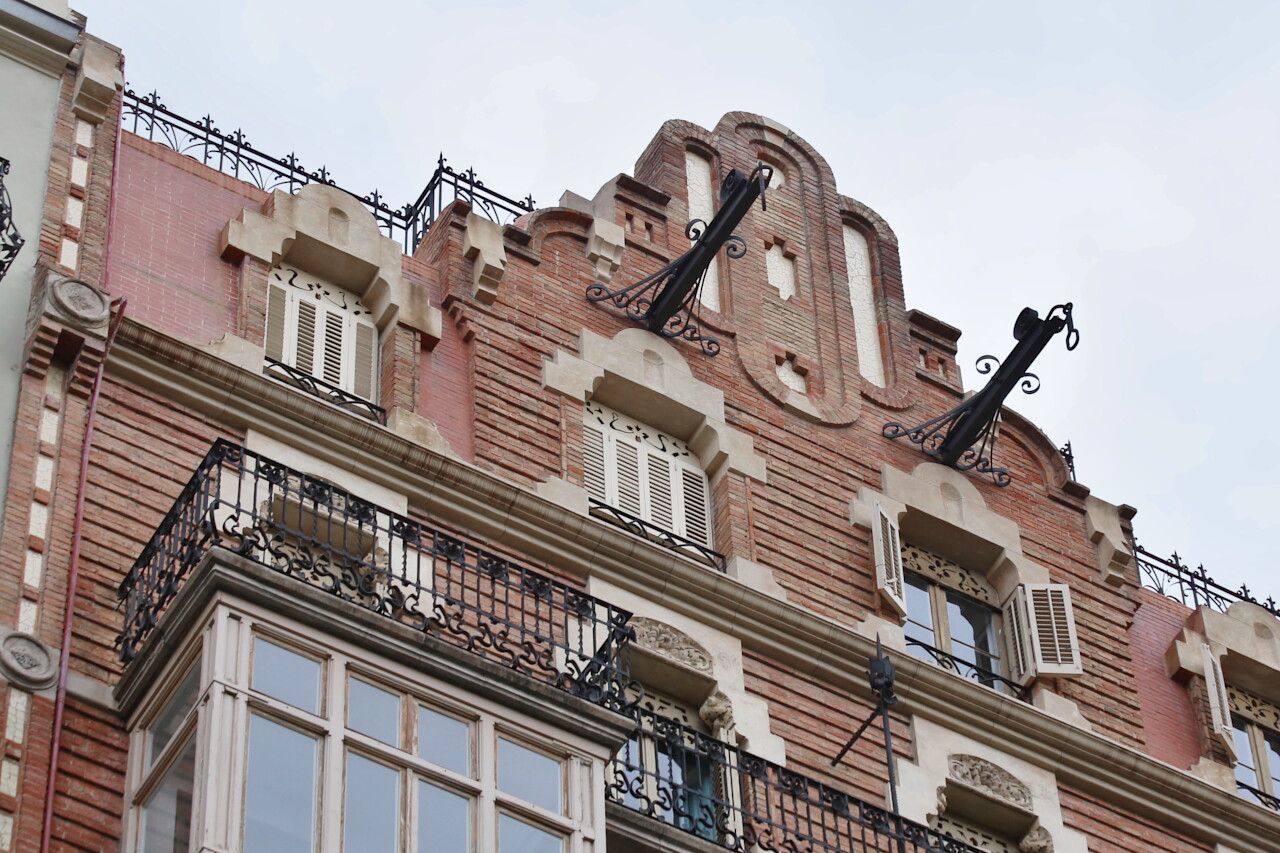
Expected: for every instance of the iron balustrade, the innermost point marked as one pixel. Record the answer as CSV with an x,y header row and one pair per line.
x,y
742,802
1193,587
11,241
318,387
1260,797
306,528
232,154
660,535
970,670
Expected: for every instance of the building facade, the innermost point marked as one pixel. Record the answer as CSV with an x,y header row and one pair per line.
x,y
335,526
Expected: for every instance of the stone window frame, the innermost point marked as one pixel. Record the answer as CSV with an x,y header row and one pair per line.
x,y
329,233
1253,719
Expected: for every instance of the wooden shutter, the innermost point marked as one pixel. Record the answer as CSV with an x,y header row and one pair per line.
x,y
1042,633
886,541
626,478
277,307
593,465
696,506
366,361
1219,703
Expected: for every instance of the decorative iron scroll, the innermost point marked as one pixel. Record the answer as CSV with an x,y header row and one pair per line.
x,y
388,564
1261,797
741,802
1173,578
232,154
11,241
965,437
653,532
667,301
964,668
327,391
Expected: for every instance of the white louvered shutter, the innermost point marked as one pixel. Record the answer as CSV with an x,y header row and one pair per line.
x,y
1041,632
696,506
886,541
594,474
1219,703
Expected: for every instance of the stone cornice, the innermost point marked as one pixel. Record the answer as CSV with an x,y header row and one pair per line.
x,y
501,512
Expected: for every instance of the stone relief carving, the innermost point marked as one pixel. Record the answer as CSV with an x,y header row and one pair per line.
x,y
1037,840
946,573
26,661
1251,707
675,645
988,778
717,712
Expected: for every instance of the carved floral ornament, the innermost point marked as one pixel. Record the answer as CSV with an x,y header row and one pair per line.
x,y
946,573
989,779
670,643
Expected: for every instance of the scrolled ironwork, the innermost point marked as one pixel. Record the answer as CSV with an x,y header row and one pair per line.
x,y
1174,579
972,671
231,153
11,241
666,302
660,535
327,391
1262,798
741,802
396,567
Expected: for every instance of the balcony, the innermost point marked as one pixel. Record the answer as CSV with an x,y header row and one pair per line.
x,y
659,535
965,669
327,391
307,528
740,802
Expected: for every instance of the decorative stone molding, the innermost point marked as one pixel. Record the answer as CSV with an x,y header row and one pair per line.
x,y
1246,640
717,712
26,661
1105,532
329,233
605,242
989,779
1037,840
482,245
671,643
98,79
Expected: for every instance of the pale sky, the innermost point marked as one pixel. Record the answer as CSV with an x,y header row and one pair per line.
x,y
1120,156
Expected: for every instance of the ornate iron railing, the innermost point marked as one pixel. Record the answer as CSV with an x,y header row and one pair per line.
x,y
1261,797
1193,587
306,528
11,241
232,154
964,668
317,387
741,802
660,535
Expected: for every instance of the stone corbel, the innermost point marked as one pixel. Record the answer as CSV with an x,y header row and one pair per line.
x,y
605,242
97,81
482,244
1105,532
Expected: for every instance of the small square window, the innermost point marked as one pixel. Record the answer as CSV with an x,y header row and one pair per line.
x,y
174,713
444,741
444,820
516,836
373,711
286,675
528,775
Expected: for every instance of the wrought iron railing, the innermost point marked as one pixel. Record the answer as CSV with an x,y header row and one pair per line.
x,y
1260,797
1193,587
318,387
967,669
660,535
232,154
11,241
741,802
306,528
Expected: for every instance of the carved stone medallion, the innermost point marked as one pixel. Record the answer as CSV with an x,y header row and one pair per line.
x,y
26,661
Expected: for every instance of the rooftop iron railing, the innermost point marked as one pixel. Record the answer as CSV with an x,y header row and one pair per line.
x,y
232,154
662,536
307,528
1193,587
724,795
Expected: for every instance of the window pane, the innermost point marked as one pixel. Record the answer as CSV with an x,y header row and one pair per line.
x,y
516,836
529,775
286,675
280,794
919,614
445,741
1271,746
170,719
373,711
973,631
166,818
372,814
444,821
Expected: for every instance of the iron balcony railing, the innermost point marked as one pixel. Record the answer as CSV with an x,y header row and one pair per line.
x,y
308,529
11,241
232,154
964,668
318,387
741,802
1260,797
654,533
1193,587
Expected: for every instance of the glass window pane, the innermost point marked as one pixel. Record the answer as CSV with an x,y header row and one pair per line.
x,y
919,625
280,795
286,675
445,741
373,711
444,821
175,711
1271,746
973,631
372,813
516,836
166,818
529,775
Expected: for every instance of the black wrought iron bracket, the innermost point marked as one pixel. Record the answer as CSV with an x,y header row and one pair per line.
x,y
965,437
880,676
10,240
667,301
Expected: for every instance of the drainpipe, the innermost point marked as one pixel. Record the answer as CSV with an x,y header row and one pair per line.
x,y
73,572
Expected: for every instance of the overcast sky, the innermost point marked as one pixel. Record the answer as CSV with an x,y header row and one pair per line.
x,y
1120,156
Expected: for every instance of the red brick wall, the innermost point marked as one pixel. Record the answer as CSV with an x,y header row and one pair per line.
x,y
1167,713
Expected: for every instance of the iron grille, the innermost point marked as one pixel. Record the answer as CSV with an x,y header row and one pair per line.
x,y
741,802
307,528
654,533
1193,587
11,241
964,668
317,387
